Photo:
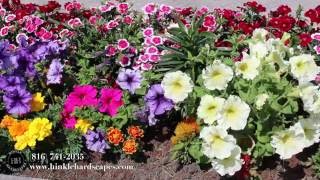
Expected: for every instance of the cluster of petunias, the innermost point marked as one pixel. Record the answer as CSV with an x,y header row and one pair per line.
x,y
26,133
109,102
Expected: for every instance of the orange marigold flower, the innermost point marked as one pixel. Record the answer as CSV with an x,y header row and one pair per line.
x,y
114,136
185,129
135,132
130,146
7,121
18,128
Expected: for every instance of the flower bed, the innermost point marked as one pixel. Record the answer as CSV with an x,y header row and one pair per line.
x,y
241,85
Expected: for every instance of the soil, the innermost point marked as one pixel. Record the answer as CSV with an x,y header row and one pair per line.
x,y
156,163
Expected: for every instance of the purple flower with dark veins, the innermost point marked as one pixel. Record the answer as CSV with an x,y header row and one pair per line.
x,y
10,83
8,60
17,102
95,141
156,102
54,74
129,79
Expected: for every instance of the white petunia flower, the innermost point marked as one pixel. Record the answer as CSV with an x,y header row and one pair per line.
x,y
310,129
176,85
309,94
229,165
248,67
261,100
258,50
288,143
216,142
217,76
304,68
210,108
234,113
260,34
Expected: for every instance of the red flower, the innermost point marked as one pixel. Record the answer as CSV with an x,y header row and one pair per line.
x,y
284,10
305,39
209,21
244,173
313,15
87,14
258,8
245,27
302,24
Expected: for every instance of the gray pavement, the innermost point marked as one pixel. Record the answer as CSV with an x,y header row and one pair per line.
x,y
138,4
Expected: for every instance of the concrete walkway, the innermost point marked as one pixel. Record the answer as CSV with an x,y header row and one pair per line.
x,y
138,4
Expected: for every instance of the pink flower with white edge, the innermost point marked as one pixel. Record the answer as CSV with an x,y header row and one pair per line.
x,y
156,40
128,20
154,58
146,66
316,36
4,31
165,9
209,21
317,49
112,24
123,8
110,50
149,8
124,61
93,20
143,58
147,41
64,33
9,18
74,23
77,5
202,11
123,44
2,12
152,50
106,8
148,32
132,50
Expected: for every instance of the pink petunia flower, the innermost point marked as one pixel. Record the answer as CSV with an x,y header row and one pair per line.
x,y
110,101
74,23
150,8
83,95
156,40
317,49
69,122
152,50
165,9
110,50
128,20
123,44
9,18
4,30
124,61
123,8
148,32
316,36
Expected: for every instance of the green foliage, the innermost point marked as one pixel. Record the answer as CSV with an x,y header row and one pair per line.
x,y
316,163
188,150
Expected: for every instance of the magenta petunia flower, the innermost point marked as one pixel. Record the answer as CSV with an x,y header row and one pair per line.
x,y
84,95
110,101
69,122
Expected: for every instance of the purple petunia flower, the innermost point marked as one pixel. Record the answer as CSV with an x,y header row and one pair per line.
x,y
95,141
156,102
145,116
129,79
17,101
54,74
7,58
9,83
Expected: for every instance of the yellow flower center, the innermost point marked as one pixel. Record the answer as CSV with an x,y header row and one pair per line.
x,y
243,67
